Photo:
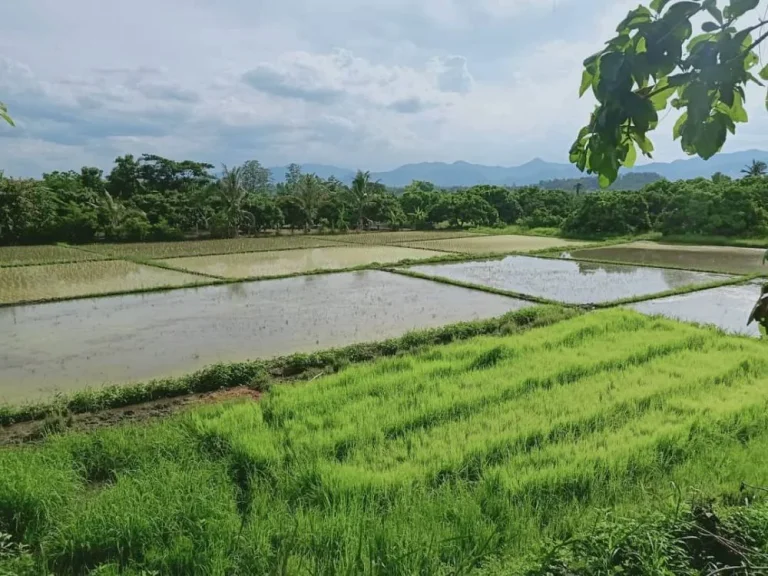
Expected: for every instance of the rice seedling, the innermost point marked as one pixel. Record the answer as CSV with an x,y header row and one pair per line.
x,y
608,443
59,281
28,255
284,263
385,238
159,250
496,244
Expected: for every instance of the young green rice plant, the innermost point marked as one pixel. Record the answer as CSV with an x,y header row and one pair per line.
x,y
31,255
388,238
160,250
59,281
285,263
608,443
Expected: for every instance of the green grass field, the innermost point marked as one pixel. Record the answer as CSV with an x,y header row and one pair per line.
x,y
473,457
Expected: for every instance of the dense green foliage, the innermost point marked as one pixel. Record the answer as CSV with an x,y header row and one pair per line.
x,y
719,207
629,181
158,199
655,60
494,455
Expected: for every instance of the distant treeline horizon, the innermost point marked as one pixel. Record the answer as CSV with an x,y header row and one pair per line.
x,y
155,198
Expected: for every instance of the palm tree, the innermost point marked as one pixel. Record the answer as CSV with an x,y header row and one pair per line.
x,y
233,194
310,193
112,211
359,196
757,168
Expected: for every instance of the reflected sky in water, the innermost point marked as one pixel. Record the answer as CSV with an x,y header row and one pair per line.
x,y
68,345
568,281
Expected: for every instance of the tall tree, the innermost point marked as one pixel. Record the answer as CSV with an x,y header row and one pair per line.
x,y
359,196
310,193
124,181
655,61
757,168
292,175
256,178
233,195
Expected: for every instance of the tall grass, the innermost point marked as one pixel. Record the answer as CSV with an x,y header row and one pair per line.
x,y
475,457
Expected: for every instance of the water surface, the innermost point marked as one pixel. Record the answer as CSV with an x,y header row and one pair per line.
x,y
68,345
496,244
727,307
714,258
261,264
568,281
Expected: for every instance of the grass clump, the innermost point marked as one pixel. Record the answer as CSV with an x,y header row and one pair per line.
x,y
554,451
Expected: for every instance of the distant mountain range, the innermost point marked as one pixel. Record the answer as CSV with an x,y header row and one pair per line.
x,y
533,172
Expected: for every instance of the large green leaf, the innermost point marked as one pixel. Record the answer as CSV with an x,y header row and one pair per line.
x,y
631,158
740,7
658,5
662,92
586,82
736,111
764,73
4,114
711,137
711,7
677,130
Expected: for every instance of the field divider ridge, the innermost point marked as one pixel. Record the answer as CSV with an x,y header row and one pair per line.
x,y
261,374
479,287
552,256
689,289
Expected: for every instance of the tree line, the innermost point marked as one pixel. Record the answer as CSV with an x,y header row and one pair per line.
x,y
155,198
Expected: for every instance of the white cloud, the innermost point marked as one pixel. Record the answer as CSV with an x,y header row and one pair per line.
x,y
357,83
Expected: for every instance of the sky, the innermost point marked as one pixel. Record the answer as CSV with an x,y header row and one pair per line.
x,y
368,84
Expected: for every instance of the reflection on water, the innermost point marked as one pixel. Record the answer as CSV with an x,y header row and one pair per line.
x,y
715,258
568,281
259,264
69,345
727,307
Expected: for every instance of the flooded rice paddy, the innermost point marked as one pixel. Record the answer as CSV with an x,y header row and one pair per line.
x,y
261,264
49,281
401,237
567,281
23,255
712,258
154,250
69,345
727,307
496,244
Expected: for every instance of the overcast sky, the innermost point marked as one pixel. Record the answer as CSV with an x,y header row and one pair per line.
x,y
356,83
